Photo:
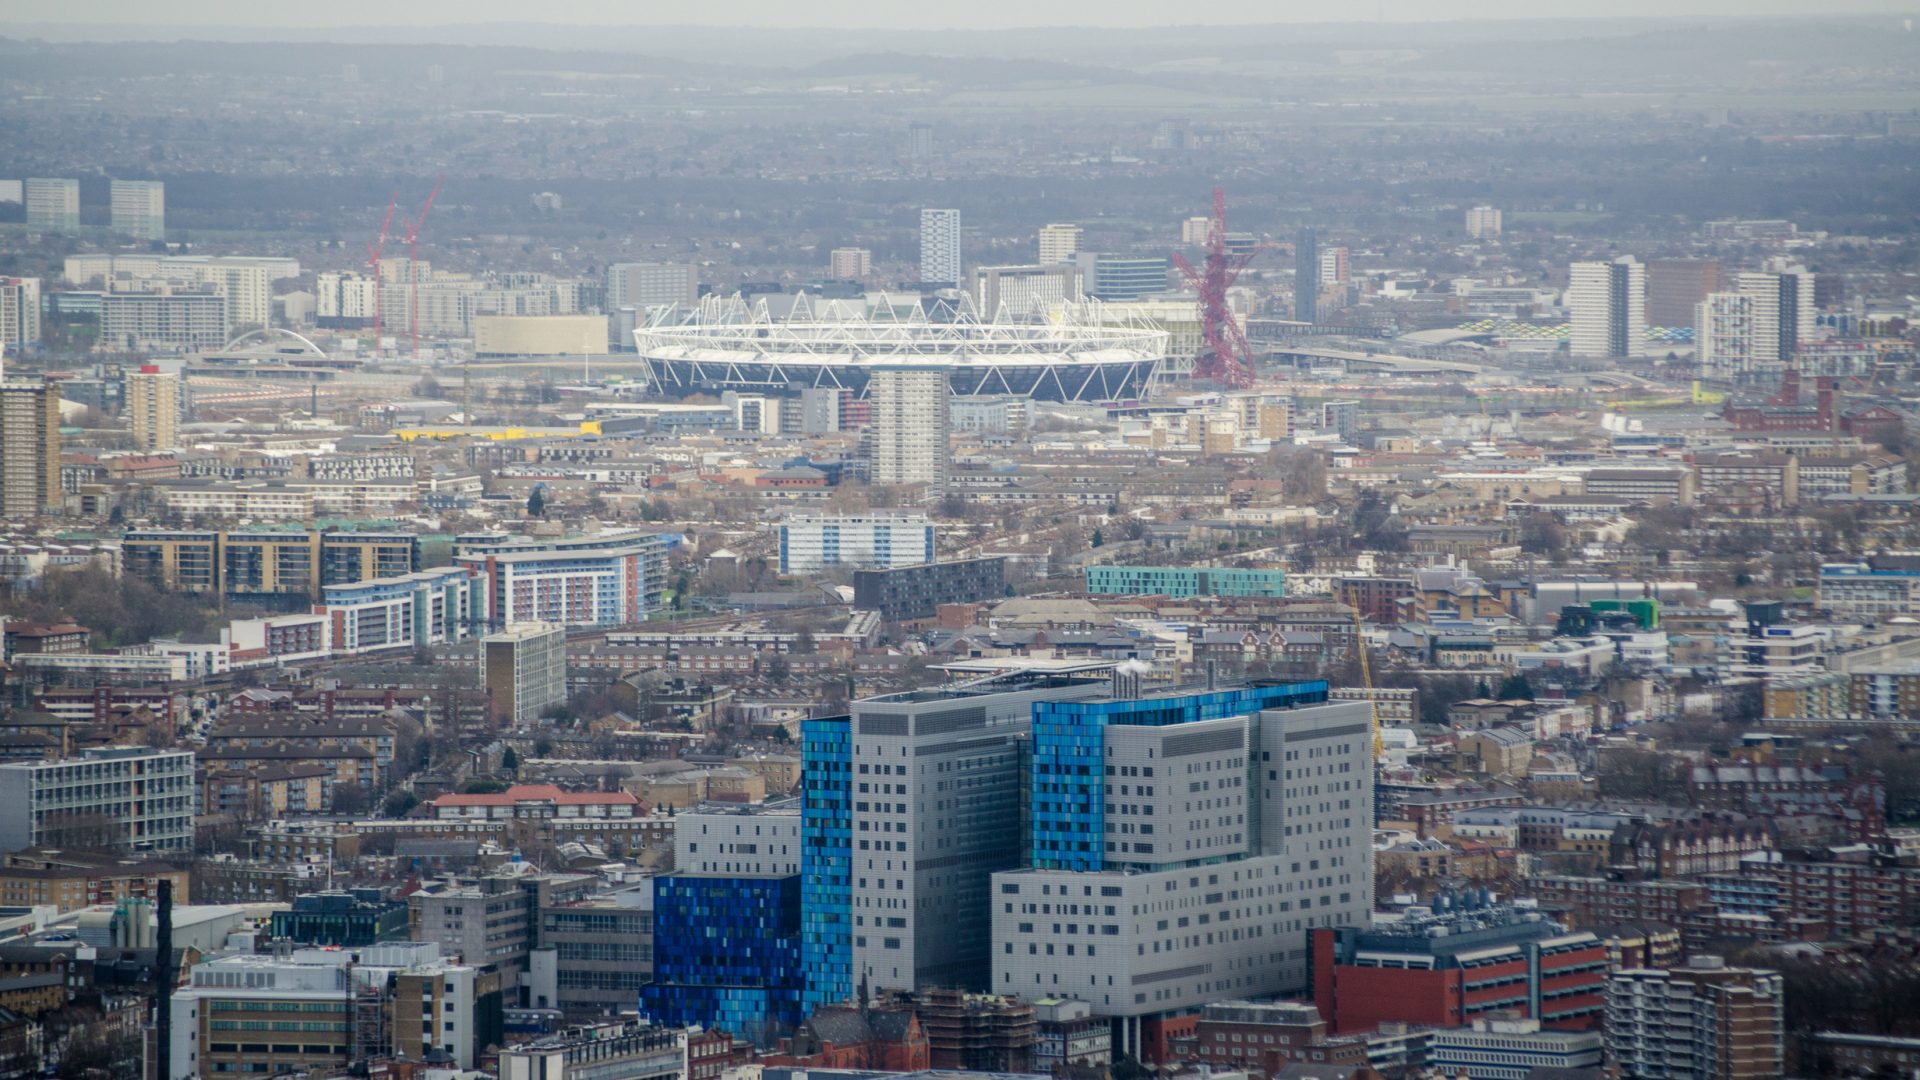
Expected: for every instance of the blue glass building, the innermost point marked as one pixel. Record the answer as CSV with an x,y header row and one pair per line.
x,y
726,954
826,860
1069,759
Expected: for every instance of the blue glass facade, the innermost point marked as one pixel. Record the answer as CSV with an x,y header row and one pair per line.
x,y
826,860
726,954
1069,759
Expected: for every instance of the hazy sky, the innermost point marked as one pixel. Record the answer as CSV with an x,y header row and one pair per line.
x,y
890,14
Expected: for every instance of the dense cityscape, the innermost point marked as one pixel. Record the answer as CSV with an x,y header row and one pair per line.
x,y
1315,551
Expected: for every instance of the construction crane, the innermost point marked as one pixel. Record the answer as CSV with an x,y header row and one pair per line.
x,y
1224,356
374,251
1366,683
413,267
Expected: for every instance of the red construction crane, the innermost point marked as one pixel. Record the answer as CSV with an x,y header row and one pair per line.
x,y
413,266
1224,356
374,251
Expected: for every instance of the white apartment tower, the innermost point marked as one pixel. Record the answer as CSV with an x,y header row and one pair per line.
x,y
139,208
53,204
1609,305
1783,312
940,247
19,312
1058,243
1724,322
908,426
153,408
1334,269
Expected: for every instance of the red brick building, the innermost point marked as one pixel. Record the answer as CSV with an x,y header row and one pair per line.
x,y
1451,966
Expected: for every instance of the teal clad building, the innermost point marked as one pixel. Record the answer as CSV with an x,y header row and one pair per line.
x,y
1185,581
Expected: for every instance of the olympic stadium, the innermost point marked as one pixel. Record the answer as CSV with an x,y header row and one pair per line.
x,y
729,345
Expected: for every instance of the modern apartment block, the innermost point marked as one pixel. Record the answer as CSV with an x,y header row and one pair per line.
x,y
278,567
810,543
907,593
53,204
1706,1021
153,408
122,798
29,448
524,670
139,208
908,805
605,579
1182,846
908,422
940,247
1185,581
432,607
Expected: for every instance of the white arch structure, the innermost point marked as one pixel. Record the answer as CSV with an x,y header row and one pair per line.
x,y
266,330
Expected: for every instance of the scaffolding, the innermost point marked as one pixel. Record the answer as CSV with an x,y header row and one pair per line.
x,y
977,1032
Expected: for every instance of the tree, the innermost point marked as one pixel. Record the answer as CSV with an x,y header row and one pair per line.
x,y
537,503
1516,687
1099,539
483,787
510,761
400,803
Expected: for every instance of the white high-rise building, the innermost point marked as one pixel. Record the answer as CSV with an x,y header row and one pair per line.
x,y
1783,312
1058,243
53,204
19,312
935,811
1609,305
940,247
908,426
1183,844
1483,222
1196,231
1333,266
139,208
1724,323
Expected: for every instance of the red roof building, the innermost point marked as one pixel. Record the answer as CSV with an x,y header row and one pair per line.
x,y
537,802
